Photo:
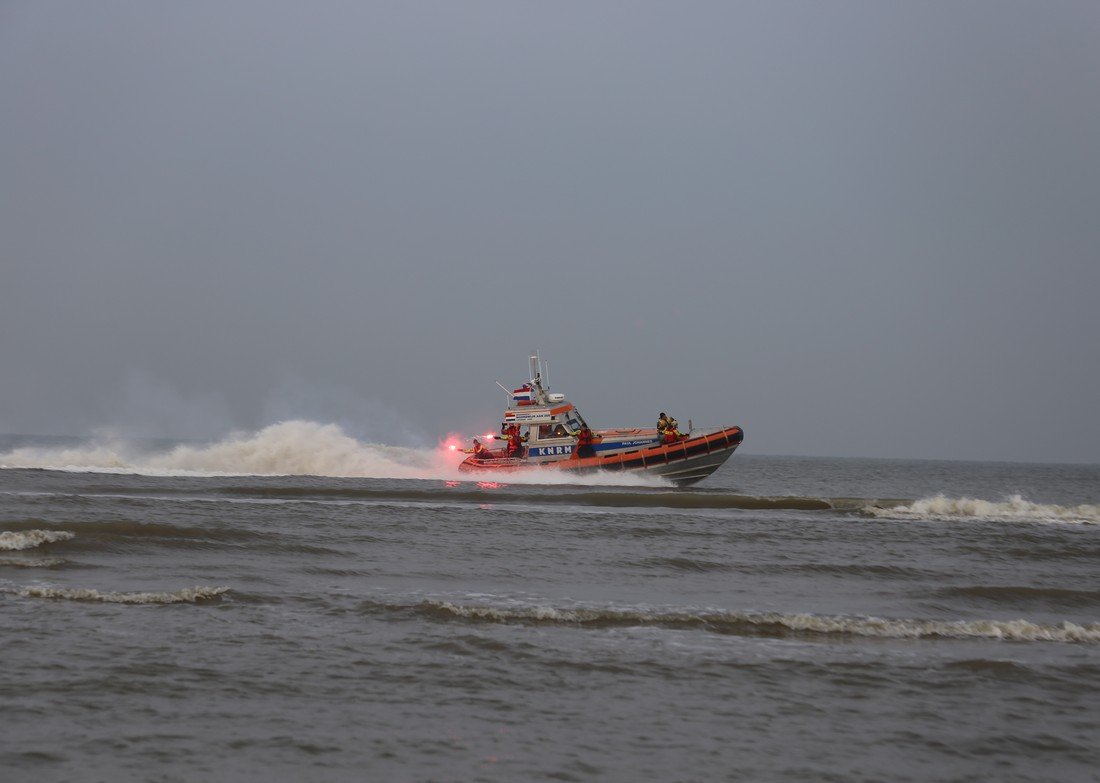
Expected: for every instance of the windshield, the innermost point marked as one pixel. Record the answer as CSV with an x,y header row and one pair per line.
x,y
574,421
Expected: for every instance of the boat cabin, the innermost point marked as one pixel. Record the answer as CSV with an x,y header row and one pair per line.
x,y
550,421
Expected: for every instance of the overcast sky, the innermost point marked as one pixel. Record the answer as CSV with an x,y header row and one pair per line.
x,y
853,228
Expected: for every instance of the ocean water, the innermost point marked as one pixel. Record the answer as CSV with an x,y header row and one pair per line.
x,y
182,612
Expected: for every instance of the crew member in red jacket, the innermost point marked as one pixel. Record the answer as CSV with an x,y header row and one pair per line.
x,y
513,440
584,447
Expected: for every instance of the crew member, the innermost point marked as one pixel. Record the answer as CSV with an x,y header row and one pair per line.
x,y
584,446
668,428
513,440
479,451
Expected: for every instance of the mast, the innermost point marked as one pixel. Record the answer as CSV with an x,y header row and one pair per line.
x,y
539,370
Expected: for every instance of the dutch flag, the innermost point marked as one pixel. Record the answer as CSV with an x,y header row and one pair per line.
x,y
523,393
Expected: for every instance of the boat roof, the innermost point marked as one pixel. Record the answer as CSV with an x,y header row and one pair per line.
x,y
536,414
532,403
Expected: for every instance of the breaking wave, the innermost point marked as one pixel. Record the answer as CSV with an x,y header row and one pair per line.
x,y
773,623
187,595
290,448
29,539
1014,509
41,562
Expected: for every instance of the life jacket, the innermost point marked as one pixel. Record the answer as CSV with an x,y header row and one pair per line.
x,y
478,449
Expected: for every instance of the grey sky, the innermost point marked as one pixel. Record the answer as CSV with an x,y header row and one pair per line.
x,y
853,228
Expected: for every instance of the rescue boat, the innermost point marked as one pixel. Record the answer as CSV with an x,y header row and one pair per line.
x,y
550,424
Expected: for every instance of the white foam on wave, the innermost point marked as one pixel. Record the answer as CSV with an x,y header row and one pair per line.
x,y
1014,509
186,595
1005,630
41,562
290,448
29,539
